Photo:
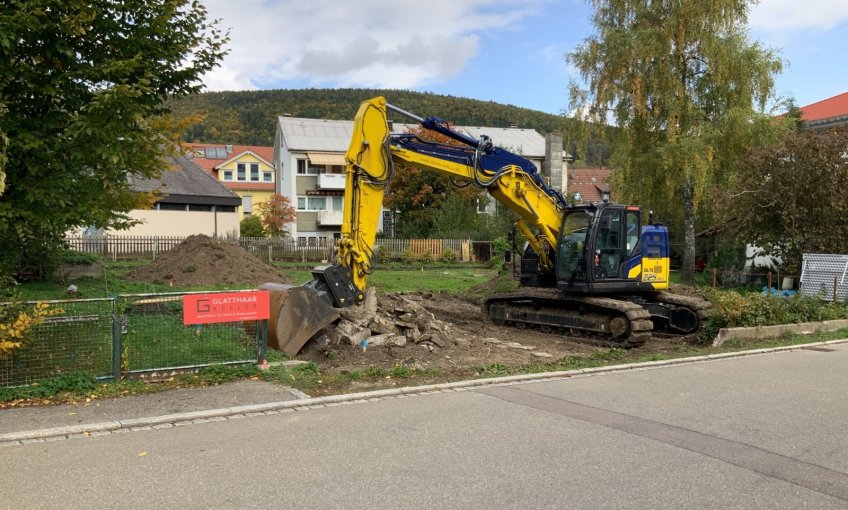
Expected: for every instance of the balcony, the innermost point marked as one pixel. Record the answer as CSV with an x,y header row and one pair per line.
x,y
330,218
331,181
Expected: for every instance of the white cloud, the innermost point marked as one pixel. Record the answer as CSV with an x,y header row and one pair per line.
x,y
792,15
374,43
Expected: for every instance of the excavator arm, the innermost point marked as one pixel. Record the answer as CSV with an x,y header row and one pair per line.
x,y
510,179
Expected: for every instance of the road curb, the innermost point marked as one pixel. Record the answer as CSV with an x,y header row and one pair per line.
x,y
40,435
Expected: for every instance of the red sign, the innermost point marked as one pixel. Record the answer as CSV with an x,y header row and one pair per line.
x,y
226,307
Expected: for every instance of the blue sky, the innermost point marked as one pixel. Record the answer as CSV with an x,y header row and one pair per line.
x,y
495,50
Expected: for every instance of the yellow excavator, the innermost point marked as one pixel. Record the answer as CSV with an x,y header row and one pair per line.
x,y
590,269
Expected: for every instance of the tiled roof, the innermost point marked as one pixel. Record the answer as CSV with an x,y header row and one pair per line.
x,y
589,182
836,106
209,164
186,179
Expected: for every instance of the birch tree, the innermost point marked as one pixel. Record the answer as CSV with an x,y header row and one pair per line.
x,y
689,91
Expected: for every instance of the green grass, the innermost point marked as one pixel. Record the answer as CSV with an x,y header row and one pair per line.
x,y
435,279
156,341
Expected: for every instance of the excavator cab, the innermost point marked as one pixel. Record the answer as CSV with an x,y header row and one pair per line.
x,y
603,248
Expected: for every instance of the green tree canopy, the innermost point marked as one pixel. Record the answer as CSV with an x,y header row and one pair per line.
x,y
251,226
790,199
688,90
84,86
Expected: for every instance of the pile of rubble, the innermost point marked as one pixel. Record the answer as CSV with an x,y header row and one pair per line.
x,y
390,320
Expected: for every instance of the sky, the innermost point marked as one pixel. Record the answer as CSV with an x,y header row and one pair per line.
x,y
506,51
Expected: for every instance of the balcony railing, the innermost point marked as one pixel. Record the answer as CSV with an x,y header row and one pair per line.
x,y
329,218
331,181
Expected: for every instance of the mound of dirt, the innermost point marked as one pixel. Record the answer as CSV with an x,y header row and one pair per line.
x,y
202,261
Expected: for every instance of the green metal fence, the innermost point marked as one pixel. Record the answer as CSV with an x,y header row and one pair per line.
x,y
77,336
128,335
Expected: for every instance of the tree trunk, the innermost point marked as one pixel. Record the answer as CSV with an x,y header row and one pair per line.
x,y
688,275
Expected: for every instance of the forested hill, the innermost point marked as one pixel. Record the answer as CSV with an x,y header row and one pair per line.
x,y
249,117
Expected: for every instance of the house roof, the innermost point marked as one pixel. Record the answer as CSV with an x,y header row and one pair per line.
x,y
528,142
318,135
826,110
209,164
185,181
321,135
589,182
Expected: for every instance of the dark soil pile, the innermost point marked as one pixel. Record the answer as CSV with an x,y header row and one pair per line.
x,y
202,261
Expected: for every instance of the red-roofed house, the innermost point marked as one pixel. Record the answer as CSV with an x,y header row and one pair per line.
x,y
245,169
826,113
586,185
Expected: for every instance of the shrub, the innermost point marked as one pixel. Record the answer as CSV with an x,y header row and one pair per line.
x,y
77,257
407,257
426,257
449,256
732,309
251,226
17,320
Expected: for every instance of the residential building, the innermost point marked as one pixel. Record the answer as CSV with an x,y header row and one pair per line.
x,y
247,170
588,185
190,202
309,160
826,113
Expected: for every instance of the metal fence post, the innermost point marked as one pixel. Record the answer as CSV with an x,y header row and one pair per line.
x,y
117,348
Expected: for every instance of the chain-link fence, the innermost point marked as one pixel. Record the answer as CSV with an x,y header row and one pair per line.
x,y
126,335
154,337
75,336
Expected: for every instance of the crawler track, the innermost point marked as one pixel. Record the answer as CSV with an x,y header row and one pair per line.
x,y
601,320
626,321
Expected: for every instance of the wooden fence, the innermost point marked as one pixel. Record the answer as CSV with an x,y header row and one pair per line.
x,y
116,247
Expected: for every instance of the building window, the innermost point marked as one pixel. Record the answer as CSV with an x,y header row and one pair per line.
x,y
228,175
241,172
267,177
301,167
317,204
254,172
338,203
199,207
311,203
337,169
247,204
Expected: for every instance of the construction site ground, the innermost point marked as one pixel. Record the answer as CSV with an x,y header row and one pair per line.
x,y
472,347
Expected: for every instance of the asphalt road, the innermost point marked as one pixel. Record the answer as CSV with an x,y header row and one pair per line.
x,y
766,431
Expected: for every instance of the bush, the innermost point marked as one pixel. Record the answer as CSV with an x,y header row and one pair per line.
x,y
251,226
449,256
17,320
499,246
77,257
407,257
732,309
426,257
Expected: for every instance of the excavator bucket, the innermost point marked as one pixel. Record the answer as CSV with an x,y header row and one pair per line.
x,y
297,313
